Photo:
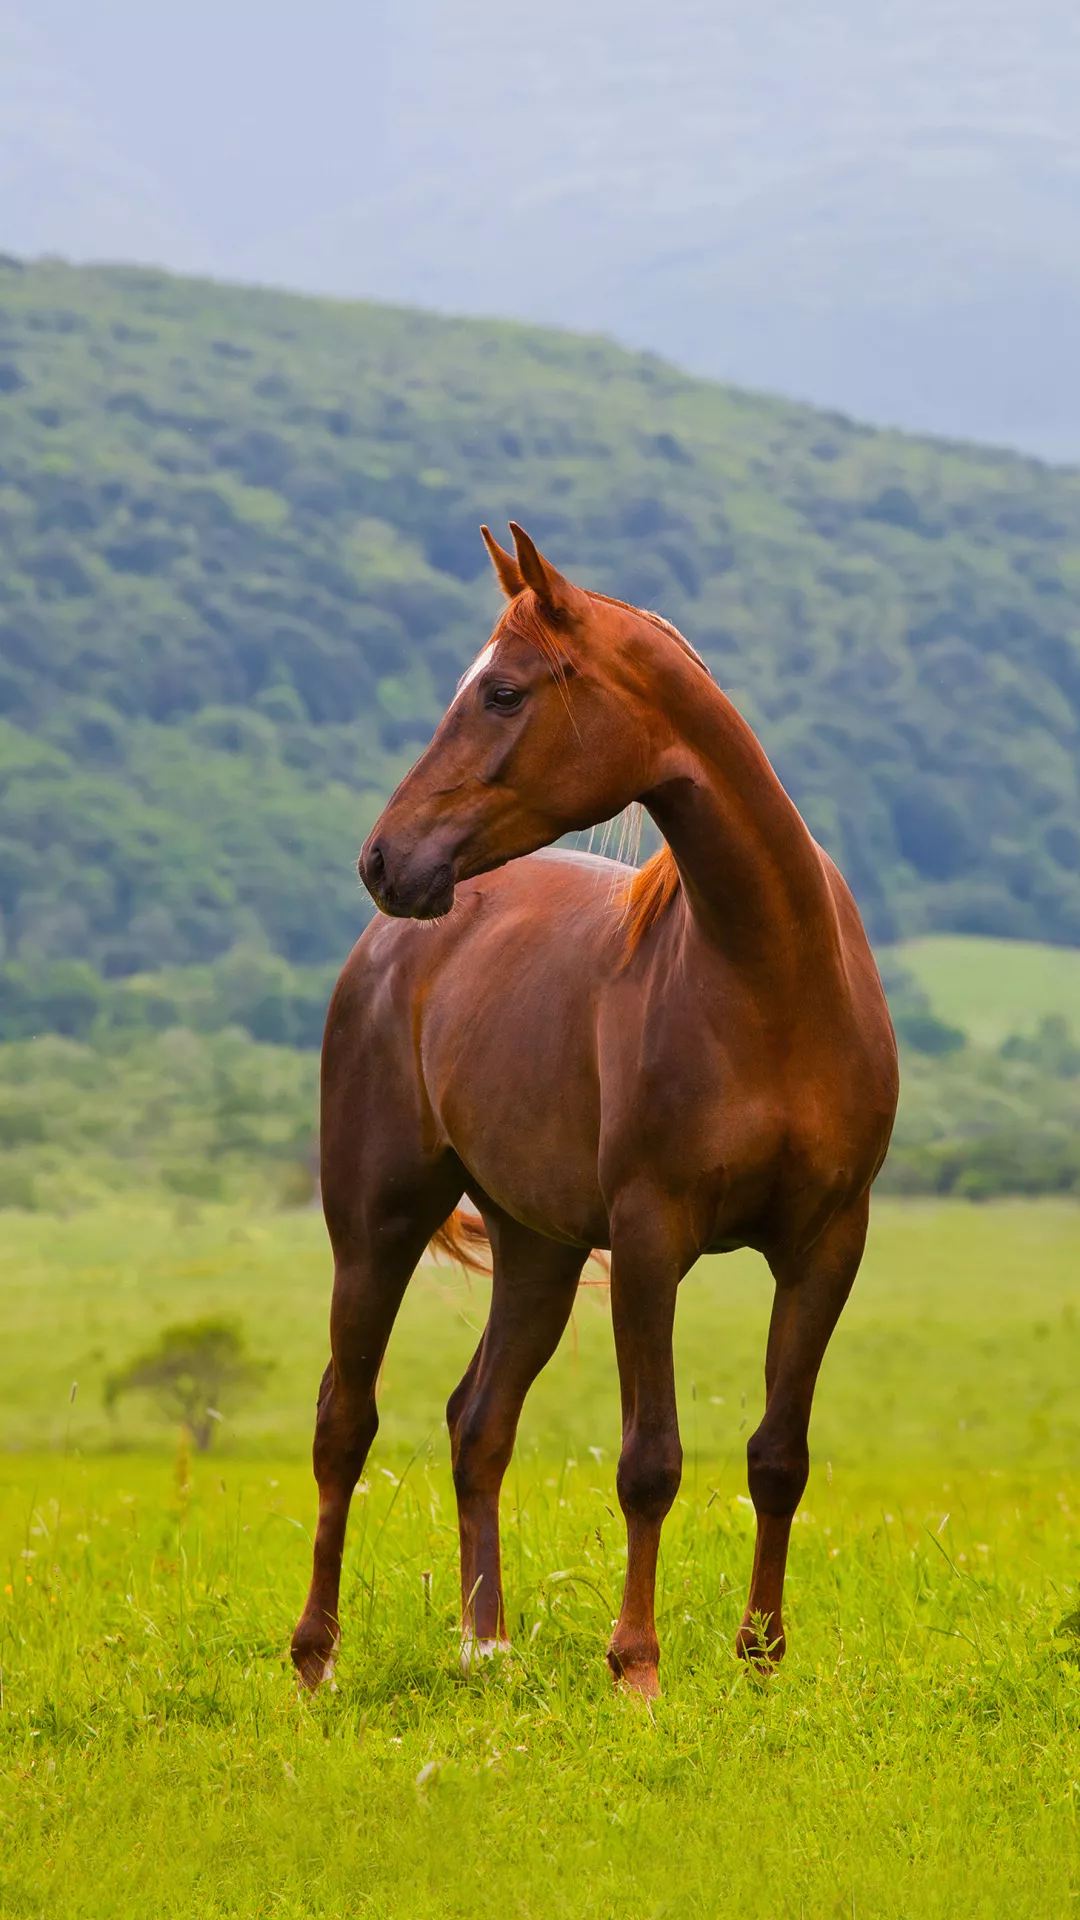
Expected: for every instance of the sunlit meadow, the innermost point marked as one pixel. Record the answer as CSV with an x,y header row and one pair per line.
x,y
918,1754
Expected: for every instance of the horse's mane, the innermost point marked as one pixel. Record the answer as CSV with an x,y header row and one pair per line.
x,y
646,897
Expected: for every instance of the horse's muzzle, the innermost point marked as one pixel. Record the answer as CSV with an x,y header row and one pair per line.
x,y
409,889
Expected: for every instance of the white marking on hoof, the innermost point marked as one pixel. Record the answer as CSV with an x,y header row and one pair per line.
x,y
326,1678
472,1649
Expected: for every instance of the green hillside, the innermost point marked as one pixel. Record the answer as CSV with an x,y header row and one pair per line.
x,y
240,573
994,988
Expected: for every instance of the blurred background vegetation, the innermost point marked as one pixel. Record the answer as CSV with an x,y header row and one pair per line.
x,y
239,577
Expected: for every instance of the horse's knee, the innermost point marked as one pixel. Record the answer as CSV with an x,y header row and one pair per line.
x,y
325,1387
455,1409
344,1433
480,1450
776,1473
649,1475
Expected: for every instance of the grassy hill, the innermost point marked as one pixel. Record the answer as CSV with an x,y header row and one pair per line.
x,y
994,988
240,573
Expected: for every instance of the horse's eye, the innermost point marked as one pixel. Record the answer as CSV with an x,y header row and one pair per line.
x,y
505,699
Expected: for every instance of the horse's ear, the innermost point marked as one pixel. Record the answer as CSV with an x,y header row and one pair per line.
x,y
506,567
548,585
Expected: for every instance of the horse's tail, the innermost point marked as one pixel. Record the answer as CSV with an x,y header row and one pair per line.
x,y
462,1237
464,1234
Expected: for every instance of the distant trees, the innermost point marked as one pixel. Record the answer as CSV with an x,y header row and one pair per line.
x,y
916,1024
185,1116
237,588
248,987
1051,1048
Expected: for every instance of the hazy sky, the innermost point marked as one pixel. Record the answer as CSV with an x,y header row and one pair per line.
x,y
870,203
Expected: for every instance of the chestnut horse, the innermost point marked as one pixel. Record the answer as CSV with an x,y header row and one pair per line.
x,y
682,1060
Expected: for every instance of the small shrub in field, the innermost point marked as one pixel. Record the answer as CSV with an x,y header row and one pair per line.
x,y
193,1372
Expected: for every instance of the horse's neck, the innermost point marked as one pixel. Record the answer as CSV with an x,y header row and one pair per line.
x,y
754,882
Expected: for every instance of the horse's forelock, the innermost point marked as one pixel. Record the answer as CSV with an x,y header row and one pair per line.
x,y
525,619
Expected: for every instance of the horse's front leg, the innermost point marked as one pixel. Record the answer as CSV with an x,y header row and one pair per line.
x,y
365,1301
811,1288
534,1282
645,1271
377,1243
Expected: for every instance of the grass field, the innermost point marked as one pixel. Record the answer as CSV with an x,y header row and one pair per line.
x,y
919,1754
991,988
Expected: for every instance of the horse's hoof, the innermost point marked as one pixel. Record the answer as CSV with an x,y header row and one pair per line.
x,y
314,1661
473,1651
754,1645
638,1678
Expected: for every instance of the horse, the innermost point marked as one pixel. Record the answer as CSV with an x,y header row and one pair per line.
x,y
663,1062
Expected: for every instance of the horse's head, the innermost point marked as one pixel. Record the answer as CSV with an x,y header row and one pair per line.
x,y
551,729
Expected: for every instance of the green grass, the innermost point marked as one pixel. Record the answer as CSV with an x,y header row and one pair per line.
x,y
992,988
916,1755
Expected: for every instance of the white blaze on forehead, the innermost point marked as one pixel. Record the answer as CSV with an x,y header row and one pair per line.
x,y
482,660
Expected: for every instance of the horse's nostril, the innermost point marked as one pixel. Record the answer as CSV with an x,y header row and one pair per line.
x,y
376,864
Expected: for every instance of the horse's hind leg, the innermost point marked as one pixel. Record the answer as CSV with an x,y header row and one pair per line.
x,y
377,1244
810,1293
646,1263
533,1286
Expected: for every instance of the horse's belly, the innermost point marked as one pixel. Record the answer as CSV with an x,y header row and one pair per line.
x,y
537,1164
575,1219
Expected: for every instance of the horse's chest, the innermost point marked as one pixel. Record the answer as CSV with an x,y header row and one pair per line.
x,y
690,1104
